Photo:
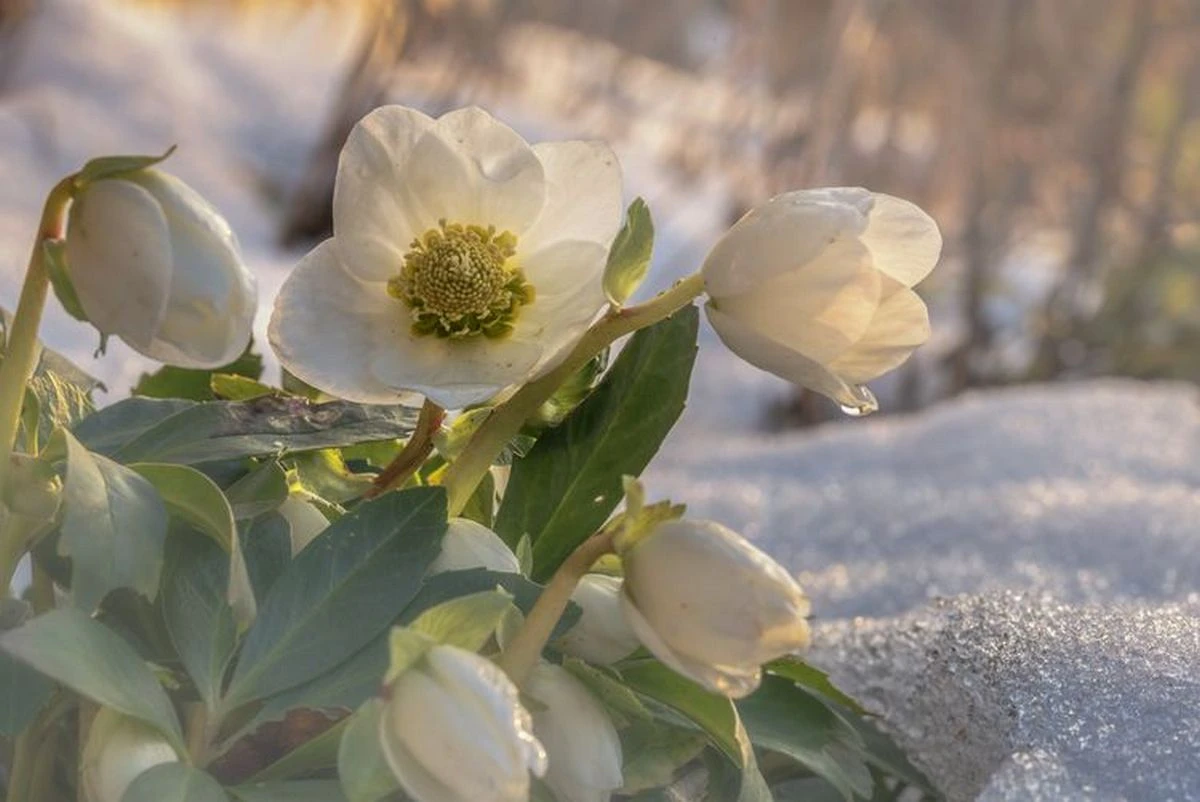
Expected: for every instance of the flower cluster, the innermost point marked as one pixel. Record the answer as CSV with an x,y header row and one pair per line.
x,y
276,547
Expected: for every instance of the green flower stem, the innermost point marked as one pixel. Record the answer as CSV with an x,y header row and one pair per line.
x,y
525,649
22,350
412,456
506,420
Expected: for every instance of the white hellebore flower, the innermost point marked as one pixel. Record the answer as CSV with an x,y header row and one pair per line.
x,y
602,635
581,741
119,749
468,544
815,287
305,521
710,605
154,264
463,260
454,731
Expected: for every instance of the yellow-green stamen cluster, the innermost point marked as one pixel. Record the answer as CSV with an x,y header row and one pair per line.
x,y
460,281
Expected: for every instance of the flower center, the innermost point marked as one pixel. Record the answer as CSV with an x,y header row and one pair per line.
x,y
460,281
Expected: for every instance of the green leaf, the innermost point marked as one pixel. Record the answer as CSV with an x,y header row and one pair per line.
x,y
301,791
59,394
324,474
365,774
23,691
148,430
174,782
69,647
106,167
712,713
467,622
55,259
481,506
233,387
622,703
345,588
571,394
258,492
113,528
453,584
569,483
267,547
196,384
316,754
814,679
654,751
198,617
629,258
193,497
787,719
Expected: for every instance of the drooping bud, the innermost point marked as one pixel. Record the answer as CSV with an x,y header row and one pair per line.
x,y
468,544
602,635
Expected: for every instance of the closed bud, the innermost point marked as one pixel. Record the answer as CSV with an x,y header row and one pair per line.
x,y
453,730
118,750
154,264
582,744
468,544
710,605
815,286
602,635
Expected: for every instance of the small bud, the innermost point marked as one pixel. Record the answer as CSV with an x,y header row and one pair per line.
x,y
602,635
118,750
582,745
468,544
453,730
153,263
710,605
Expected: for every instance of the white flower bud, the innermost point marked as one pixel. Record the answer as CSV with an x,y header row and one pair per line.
x,y
118,750
582,744
454,731
816,287
602,635
305,520
710,605
468,544
154,264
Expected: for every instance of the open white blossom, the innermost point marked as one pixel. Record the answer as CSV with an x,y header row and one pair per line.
x,y
710,605
815,286
582,745
463,260
454,730
154,264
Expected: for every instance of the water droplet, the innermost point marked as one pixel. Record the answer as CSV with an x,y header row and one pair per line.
x,y
864,403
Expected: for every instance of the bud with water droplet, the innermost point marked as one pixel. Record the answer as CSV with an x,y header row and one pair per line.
x,y
118,750
602,635
454,730
154,264
710,605
582,744
815,286
468,544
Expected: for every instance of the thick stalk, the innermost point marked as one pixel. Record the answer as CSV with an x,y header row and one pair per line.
x,y
412,456
21,348
465,473
525,649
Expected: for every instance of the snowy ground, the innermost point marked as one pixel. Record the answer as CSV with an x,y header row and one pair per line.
x,y
1011,579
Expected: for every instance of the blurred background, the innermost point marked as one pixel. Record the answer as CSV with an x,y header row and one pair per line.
x,y
1057,143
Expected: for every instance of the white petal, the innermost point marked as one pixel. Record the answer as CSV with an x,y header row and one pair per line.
x,y
453,373
505,173
784,234
903,239
327,325
119,259
583,194
773,357
213,297
819,309
582,744
373,213
562,268
900,325
602,635
469,544
732,681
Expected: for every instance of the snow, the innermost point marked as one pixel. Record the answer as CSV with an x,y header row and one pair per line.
x,y
1009,578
